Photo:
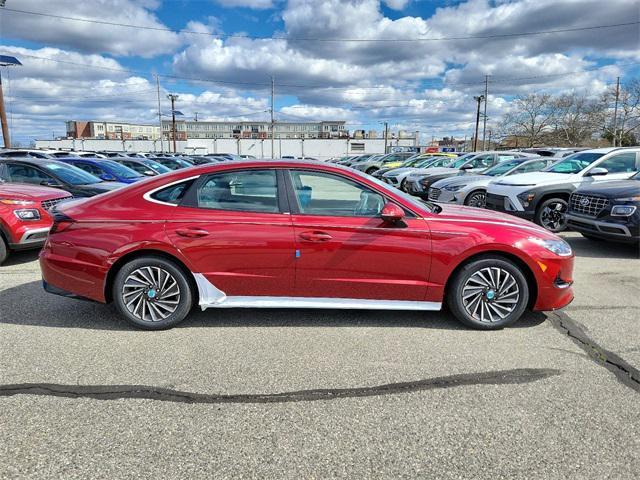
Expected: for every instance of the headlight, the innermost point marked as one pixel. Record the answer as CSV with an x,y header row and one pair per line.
x,y
454,188
27,214
526,197
8,201
559,247
623,210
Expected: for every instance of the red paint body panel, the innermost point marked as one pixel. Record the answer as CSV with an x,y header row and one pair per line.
x,y
254,254
363,258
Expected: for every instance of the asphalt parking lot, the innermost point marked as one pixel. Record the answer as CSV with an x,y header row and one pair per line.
x,y
317,394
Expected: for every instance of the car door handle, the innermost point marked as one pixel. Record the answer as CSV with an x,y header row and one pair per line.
x,y
316,236
191,232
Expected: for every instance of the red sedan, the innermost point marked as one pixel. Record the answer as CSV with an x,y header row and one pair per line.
x,y
301,235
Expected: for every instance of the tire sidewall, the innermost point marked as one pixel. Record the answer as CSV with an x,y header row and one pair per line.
x,y
186,295
454,297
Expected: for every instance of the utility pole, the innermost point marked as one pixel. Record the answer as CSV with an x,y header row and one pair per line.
x,y
3,119
615,113
273,130
173,97
475,137
159,113
386,135
484,121
196,115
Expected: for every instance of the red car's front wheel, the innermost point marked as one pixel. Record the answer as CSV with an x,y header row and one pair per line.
x,y
152,293
488,294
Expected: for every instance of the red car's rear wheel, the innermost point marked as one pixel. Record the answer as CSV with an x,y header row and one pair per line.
x,y
152,293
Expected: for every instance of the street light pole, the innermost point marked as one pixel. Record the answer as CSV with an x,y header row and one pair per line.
x,y
3,119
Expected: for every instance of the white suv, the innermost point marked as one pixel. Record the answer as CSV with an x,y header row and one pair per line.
x,y
543,196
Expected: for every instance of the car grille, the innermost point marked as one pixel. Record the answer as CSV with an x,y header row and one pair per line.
x,y
589,205
49,204
434,193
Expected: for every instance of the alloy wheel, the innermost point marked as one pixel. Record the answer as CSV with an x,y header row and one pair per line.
x,y
151,294
477,200
553,216
490,294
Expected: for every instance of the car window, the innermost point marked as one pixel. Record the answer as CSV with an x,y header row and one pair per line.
x,y
481,161
501,168
245,191
574,163
71,174
138,167
172,194
27,174
119,169
502,157
87,167
620,163
531,167
330,195
156,166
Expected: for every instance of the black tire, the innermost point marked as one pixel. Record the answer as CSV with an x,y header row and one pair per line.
x,y
371,170
548,211
465,312
138,317
477,199
4,250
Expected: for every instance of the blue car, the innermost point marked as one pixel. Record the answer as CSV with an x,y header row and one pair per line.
x,y
104,169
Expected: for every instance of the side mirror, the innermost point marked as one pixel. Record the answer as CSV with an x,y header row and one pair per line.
x,y
467,166
50,183
597,171
392,213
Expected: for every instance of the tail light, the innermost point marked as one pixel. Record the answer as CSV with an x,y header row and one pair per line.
x,y
61,222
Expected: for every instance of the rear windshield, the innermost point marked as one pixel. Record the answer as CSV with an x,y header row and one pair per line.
x,y
574,163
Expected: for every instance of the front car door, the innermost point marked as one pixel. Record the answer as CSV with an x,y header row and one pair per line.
x,y
620,166
236,230
345,250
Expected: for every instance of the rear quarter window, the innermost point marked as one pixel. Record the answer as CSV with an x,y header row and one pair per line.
x,y
172,194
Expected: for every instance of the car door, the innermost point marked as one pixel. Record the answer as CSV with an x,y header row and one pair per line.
x,y
235,228
345,250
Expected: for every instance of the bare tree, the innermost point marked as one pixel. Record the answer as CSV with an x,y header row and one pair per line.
x,y
576,119
532,116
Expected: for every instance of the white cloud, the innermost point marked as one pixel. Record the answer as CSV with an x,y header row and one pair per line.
x,y
91,37
255,4
397,4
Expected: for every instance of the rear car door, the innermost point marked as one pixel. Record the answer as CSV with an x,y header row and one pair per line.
x,y
235,228
345,250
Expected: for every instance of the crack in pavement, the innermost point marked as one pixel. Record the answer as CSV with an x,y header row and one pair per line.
x,y
624,371
113,392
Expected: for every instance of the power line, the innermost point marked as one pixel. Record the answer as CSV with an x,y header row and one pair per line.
x,y
322,39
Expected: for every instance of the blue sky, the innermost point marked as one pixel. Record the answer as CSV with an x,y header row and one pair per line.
x,y
362,61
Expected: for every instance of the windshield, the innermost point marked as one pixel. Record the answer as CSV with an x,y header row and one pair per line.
x,y
501,168
574,163
459,162
120,170
155,165
71,175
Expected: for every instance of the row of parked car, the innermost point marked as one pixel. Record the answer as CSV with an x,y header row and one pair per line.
x,y
595,192
32,182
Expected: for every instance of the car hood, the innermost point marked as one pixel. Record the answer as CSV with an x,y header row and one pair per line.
x,y
534,178
418,172
17,191
462,180
612,188
460,213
